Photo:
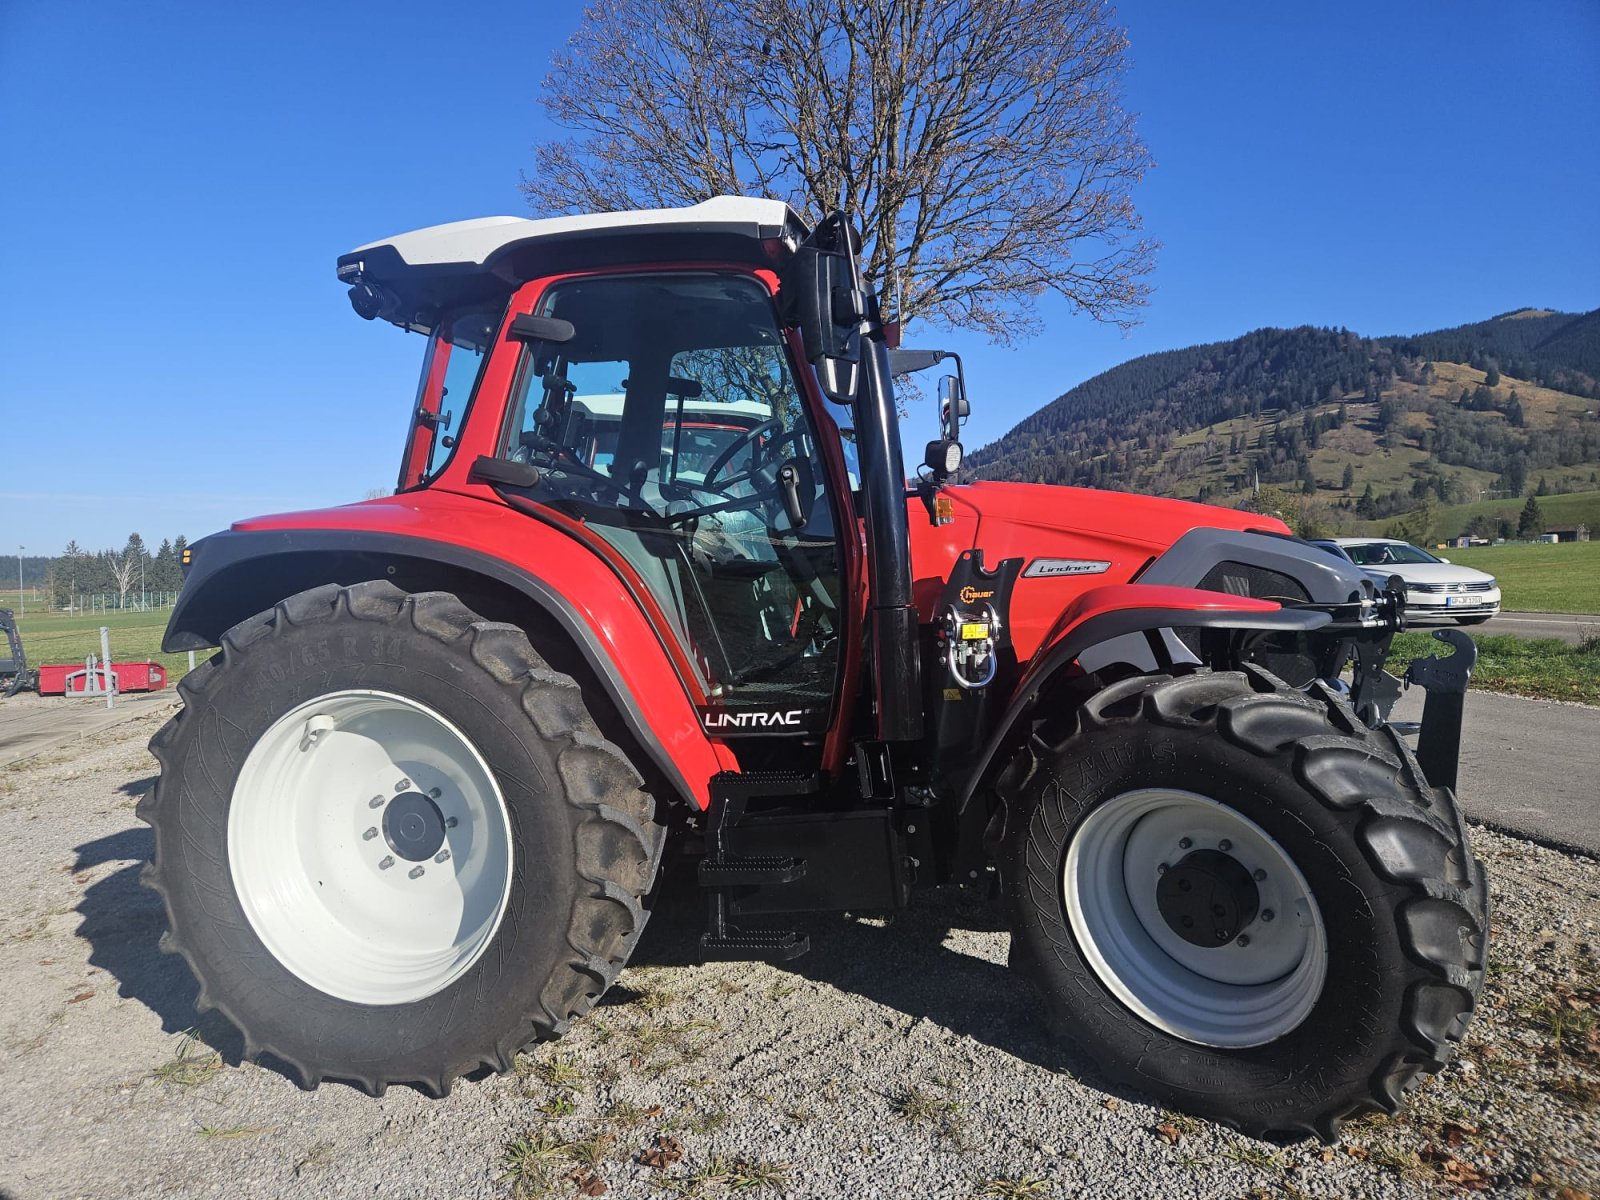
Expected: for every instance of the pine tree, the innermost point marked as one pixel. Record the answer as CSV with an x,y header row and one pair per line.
x,y
1491,377
1349,476
1367,506
1530,523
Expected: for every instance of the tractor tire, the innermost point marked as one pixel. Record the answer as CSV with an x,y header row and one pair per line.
x,y
1254,797
392,843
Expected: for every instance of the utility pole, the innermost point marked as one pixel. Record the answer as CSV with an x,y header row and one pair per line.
x,y
22,600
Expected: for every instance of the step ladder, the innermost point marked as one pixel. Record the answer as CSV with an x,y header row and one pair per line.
x,y
723,874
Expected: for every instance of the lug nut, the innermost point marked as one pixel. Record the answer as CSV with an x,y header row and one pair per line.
x,y
403,786
444,855
370,834
1267,914
375,802
1162,869
415,872
1259,874
386,863
1244,939
451,822
1184,885
1185,843
435,793
1224,844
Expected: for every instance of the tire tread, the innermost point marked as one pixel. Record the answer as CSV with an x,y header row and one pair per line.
x,y
618,844
1410,834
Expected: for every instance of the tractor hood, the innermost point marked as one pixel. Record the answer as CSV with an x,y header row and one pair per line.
x,y
1068,539
1147,523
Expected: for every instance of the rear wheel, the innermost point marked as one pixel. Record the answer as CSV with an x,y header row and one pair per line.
x,y
392,843
1240,900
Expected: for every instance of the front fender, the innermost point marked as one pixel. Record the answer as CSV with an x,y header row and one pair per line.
x,y
1102,613
427,541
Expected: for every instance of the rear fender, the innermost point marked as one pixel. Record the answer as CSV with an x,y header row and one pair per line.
x,y
1113,611
245,571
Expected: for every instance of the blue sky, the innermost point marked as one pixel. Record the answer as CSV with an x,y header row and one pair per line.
x,y
179,179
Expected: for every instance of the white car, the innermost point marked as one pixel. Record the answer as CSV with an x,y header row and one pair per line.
x,y
1435,587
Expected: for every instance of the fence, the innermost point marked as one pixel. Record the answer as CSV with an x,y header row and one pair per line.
x,y
104,602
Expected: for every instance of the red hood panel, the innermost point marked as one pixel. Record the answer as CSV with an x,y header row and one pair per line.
x,y
1125,516
1031,520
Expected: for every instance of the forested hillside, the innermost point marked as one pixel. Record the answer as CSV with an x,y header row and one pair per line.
x,y
1359,428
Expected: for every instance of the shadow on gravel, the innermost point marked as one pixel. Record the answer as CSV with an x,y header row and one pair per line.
x,y
138,787
904,965
123,923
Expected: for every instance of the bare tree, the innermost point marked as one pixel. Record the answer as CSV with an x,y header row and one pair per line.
x,y
981,143
124,570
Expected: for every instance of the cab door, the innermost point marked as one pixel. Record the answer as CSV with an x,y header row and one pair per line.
x,y
671,426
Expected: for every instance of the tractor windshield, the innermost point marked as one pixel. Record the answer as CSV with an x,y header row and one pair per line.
x,y
672,425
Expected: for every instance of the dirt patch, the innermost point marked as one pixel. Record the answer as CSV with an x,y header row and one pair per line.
x,y
897,1059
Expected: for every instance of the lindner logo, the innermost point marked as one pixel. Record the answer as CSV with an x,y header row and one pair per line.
x,y
721,719
1047,567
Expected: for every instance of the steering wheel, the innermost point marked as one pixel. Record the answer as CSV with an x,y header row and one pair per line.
x,y
731,451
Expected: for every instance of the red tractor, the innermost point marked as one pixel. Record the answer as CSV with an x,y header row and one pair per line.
x,y
654,576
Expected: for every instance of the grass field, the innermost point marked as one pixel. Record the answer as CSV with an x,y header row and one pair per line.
x,y
1540,577
1544,668
58,637
1571,508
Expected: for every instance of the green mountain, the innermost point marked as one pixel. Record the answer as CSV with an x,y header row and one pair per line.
x,y
1362,428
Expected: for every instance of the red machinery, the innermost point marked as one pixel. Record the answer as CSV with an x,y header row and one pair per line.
x,y
412,813
72,679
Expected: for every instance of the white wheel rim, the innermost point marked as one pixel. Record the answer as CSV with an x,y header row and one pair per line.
x,y
320,850
1228,996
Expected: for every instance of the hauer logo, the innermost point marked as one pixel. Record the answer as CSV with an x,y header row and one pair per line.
x,y
719,718
970,594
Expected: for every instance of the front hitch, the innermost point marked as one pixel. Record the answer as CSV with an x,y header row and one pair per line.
x,y
1445,681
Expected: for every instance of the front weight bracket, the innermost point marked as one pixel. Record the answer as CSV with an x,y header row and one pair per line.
x,y
1445,680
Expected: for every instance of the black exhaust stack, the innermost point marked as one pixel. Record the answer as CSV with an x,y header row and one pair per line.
x,y
892,616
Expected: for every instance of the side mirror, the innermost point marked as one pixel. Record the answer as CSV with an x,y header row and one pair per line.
x,y
829,309
953,407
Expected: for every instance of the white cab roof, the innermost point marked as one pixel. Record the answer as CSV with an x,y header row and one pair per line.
x,y
475,242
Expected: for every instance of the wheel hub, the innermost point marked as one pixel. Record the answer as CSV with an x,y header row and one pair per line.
x,y
1121,878
1207,898
413,826
370,919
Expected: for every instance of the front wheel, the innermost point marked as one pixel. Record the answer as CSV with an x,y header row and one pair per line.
x,y
1240,900
392,843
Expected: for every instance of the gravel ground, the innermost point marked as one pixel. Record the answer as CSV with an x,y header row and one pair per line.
x,y
895,1060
